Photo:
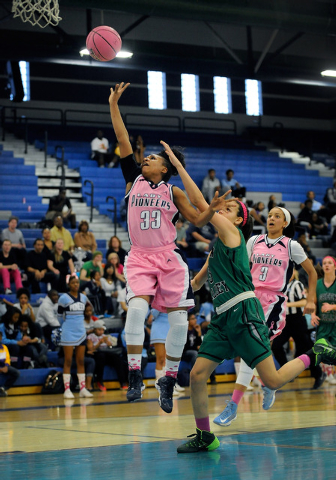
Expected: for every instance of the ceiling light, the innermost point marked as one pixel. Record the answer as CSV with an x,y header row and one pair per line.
x,y
329,73
121,54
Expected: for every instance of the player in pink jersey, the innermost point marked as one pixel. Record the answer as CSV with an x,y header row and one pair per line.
x,y
272,257
155,269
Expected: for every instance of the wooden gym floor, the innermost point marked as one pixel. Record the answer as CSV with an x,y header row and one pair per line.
x,y
46,437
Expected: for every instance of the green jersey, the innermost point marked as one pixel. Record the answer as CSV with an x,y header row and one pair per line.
x,y
228,272
325,295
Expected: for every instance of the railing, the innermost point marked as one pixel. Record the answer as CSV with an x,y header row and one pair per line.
x,y
151,122
231,128
114,211
61,165
91,195
45,148
86,116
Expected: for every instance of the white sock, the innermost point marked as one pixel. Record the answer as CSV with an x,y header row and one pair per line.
x,y
172,368
134,361
66,381
81,380
159,374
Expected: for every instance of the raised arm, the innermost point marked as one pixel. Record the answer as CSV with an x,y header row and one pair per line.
x,y
117,121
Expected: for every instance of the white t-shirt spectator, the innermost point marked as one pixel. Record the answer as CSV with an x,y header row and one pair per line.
x,y
47,313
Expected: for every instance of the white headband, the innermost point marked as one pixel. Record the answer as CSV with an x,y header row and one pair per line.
x,y
287,215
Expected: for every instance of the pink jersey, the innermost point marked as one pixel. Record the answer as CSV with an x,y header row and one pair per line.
x,y
272,266
151,214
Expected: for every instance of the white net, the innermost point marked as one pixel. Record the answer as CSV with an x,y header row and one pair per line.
x,y
37,12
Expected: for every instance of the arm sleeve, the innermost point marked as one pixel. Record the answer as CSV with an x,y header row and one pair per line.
x,y
129,168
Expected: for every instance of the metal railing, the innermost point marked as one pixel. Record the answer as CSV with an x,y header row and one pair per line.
x,y
231,128
114,211
61,165
91,195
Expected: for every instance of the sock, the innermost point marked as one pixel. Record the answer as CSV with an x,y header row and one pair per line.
x,y
172,368
66,381
159,374
237,396
134,361
305,359
329,370
81,380
203,423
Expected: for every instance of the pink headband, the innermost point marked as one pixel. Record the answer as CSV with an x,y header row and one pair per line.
x,y
328,256
245,212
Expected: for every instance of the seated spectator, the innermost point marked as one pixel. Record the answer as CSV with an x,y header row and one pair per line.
x,y
37,268
46,316
94,265
48,243
112,286
200,238
100,346
95,293
23,295
330,201
7,371
118,268
315,204
302,240
115,156
61,205
100,150
210,184
138,147
319,226
305,216
58,231
89,319
271,202
230,183
9,269
32,333
16,237
123,307
114,246
19,349
85,240
60,263
256,213
194,340
205,313
181,230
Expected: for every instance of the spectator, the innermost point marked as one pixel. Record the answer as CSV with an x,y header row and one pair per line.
x,y
112,286
9,269
271,202
256,213
47,315
138,147
181,230
330,200
32,333
119,269
116,156
85,240
58,231
114,245
89,319
101,348
302,240
100,149
305,216
94,265
19,349
48,244
319,226
200,237
205,313
95,293
210,184
315,205
16,237
230,183
23,295
10,373
194,340
61,205
60,263
37,268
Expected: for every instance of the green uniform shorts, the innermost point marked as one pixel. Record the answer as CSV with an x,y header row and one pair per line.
x,y
238,332
327,330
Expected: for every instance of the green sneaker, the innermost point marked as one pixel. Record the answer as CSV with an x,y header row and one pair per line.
x,y
204,441
325,352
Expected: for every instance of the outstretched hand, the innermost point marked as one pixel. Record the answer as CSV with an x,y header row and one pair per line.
x,y
221,202
118,91
173,160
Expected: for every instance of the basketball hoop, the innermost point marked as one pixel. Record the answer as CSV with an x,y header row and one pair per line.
x,y
37,12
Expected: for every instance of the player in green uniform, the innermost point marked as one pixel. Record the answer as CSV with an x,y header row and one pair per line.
x,y
238,328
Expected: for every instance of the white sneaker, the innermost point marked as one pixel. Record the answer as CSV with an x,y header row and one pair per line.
x,y
178,388
8,291
175,392
331,379
84,393
68,394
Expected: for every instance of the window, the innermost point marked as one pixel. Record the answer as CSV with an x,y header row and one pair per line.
x,y
24,69
190,92
222,94
253,97
156,84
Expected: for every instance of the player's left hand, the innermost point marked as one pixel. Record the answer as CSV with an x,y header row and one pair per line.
x,y
326,307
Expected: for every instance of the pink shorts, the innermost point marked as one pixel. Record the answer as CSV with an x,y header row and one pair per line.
x,y
274,307
161,273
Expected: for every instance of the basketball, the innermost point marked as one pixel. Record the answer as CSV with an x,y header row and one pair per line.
x,y
103,43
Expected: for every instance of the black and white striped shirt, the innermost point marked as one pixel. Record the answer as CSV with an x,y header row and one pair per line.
x,y
295,293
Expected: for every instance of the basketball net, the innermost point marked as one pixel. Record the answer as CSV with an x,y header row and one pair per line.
x,y
37,12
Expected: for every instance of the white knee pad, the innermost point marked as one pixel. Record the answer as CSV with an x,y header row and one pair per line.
x,y
135,320
245,374
177,335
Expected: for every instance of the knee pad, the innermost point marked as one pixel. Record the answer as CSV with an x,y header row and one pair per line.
x,y
177,335
135,320
245,374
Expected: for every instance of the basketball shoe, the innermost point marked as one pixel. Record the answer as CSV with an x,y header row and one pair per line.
x,y
134,391
204,441
165,386
325,352
227,416
269,397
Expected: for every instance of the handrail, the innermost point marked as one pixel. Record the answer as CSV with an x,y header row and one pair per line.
x,y
114,211
24,110
45,148
233,129
91,195
154,124
61,165
85,114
